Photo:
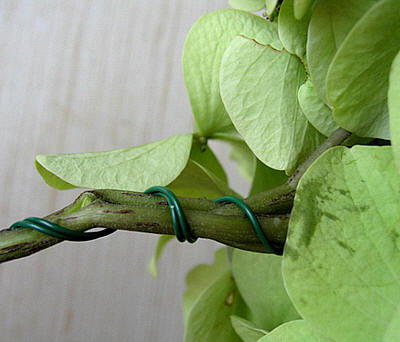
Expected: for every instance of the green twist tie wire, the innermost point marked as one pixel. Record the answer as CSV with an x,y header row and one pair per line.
x,y
253,219
57,231
181,227
180,224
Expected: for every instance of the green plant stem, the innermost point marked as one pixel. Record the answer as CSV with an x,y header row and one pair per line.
x,y
133,211
150,217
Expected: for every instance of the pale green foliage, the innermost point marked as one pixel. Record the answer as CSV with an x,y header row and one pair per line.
x,y
247,5
161,243
270,6
244,158
341,260
330,23
246,330
315,110
295,331
134,168
201,277
259,87
266,178
357,80
202,55
259,279
293,32
302,7
394,108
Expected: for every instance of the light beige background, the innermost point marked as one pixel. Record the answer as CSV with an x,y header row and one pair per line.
x,y
78,76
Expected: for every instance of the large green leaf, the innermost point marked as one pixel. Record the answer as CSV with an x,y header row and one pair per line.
x,y
246,330
259,87
394,108
331,21
293,32
202,54
294,331
247,5
209,319
342,256
357,80
134,168
316,111
302,7
259,279
393,331
266,178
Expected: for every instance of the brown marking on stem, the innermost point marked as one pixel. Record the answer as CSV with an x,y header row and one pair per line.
x,y
123,211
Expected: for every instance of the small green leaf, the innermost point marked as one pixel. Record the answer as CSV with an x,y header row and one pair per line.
x,y
394,108
202,54
259,279
259,87
341,258
330,23
270,6
197,181
134,168
246,330
201,277
302,7
315,110
245,159
294,331
209,319
204,156
357,80
266,178
153,265
247,5
293,32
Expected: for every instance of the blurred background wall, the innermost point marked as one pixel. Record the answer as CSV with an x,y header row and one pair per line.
x,y
78,76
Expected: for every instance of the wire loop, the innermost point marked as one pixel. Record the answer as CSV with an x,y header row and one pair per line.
x,y
181,227
253,219
180,224
57,231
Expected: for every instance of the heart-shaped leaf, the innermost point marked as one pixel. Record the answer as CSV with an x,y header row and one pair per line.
x,y
341,259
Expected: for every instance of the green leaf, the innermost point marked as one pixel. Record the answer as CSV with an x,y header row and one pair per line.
x,y
202,54
259,87
201,277
295,331
266,178
393,331
330,23
394,108
247,5
246,330
153,265
134,168
293,32
315,110
245,159
270,6
209,319
357,80
341,258
259,279
204,156
302,7
197,181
